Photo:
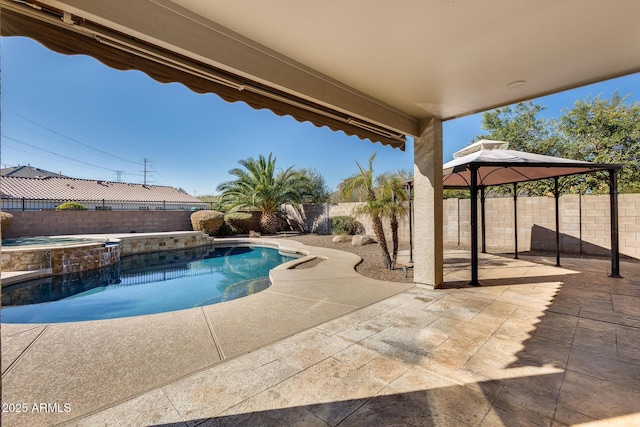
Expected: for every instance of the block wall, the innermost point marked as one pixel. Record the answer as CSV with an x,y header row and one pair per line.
x,y
55,223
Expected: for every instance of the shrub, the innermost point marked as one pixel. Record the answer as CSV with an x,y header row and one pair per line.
x,y
239,222
71,206
206,221
344,225
6,219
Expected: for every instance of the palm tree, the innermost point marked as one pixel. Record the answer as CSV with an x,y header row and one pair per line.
x,y
363,182
392,194
258,186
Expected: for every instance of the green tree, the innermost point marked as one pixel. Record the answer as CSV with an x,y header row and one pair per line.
x,y
259,186
313,188
521,126
604,131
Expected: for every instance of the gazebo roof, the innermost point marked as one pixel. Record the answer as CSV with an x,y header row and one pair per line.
x,y
495,166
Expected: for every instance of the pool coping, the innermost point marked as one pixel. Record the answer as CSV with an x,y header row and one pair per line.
x,y
94,365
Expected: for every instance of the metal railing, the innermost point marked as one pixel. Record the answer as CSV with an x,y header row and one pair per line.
x,y
22,204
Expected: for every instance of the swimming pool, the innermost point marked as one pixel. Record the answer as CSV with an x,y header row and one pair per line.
x,y
175,280
44,241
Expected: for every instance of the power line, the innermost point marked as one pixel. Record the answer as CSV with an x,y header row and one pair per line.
x,y
56,154
73,139
163,178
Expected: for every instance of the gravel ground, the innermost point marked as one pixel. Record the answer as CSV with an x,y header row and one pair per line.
x,y
371,265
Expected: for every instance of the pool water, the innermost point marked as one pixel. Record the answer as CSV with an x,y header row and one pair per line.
x,y
219,275
43,241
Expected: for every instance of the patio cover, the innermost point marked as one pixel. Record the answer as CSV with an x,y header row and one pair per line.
x,y
68,35
488,166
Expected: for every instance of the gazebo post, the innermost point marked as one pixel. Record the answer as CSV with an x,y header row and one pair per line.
x,y
613,206
474,226
556,195
482,219
515,217
409,186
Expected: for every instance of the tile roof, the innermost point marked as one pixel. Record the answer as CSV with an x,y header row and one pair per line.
x,y
28,172
84,189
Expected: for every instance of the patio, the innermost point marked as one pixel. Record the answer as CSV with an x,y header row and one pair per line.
x,y
535,345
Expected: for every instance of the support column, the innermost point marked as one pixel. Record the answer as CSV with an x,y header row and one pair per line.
x,y
427,171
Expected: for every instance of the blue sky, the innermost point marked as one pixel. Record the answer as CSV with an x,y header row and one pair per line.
x,y
71,114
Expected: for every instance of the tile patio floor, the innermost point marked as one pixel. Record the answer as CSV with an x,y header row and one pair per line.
x,y
535,345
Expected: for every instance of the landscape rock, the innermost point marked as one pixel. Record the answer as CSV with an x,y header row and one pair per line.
x,y
254,233
341,238
207,221
361,240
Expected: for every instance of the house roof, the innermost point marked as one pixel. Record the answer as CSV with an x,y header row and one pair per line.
x,y
27,172
83,189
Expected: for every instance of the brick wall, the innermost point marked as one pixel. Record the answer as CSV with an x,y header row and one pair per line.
x,y
584,223
55,223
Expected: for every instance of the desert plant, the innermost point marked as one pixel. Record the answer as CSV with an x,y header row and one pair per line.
x,y
6,219
258,186
343,224
206,221
239,222
363,182
71,206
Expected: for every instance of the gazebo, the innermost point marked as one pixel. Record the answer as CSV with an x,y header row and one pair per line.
x,y
487,163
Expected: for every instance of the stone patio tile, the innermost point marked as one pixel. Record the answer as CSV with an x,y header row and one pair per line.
x,y
466,404
600,336
628,342
485,292
596,398
540,351
535,393
347,321
308,347
151,408
278,415
398,410
407,344
617,369
626,305
367,328
556,326
462,306
270,407
334,388
213,391
521,295
514,416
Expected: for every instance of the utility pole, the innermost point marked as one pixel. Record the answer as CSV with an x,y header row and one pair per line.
x,y
119,176
145,160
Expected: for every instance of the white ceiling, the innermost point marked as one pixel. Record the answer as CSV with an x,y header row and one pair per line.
x,y
388,64
444,58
